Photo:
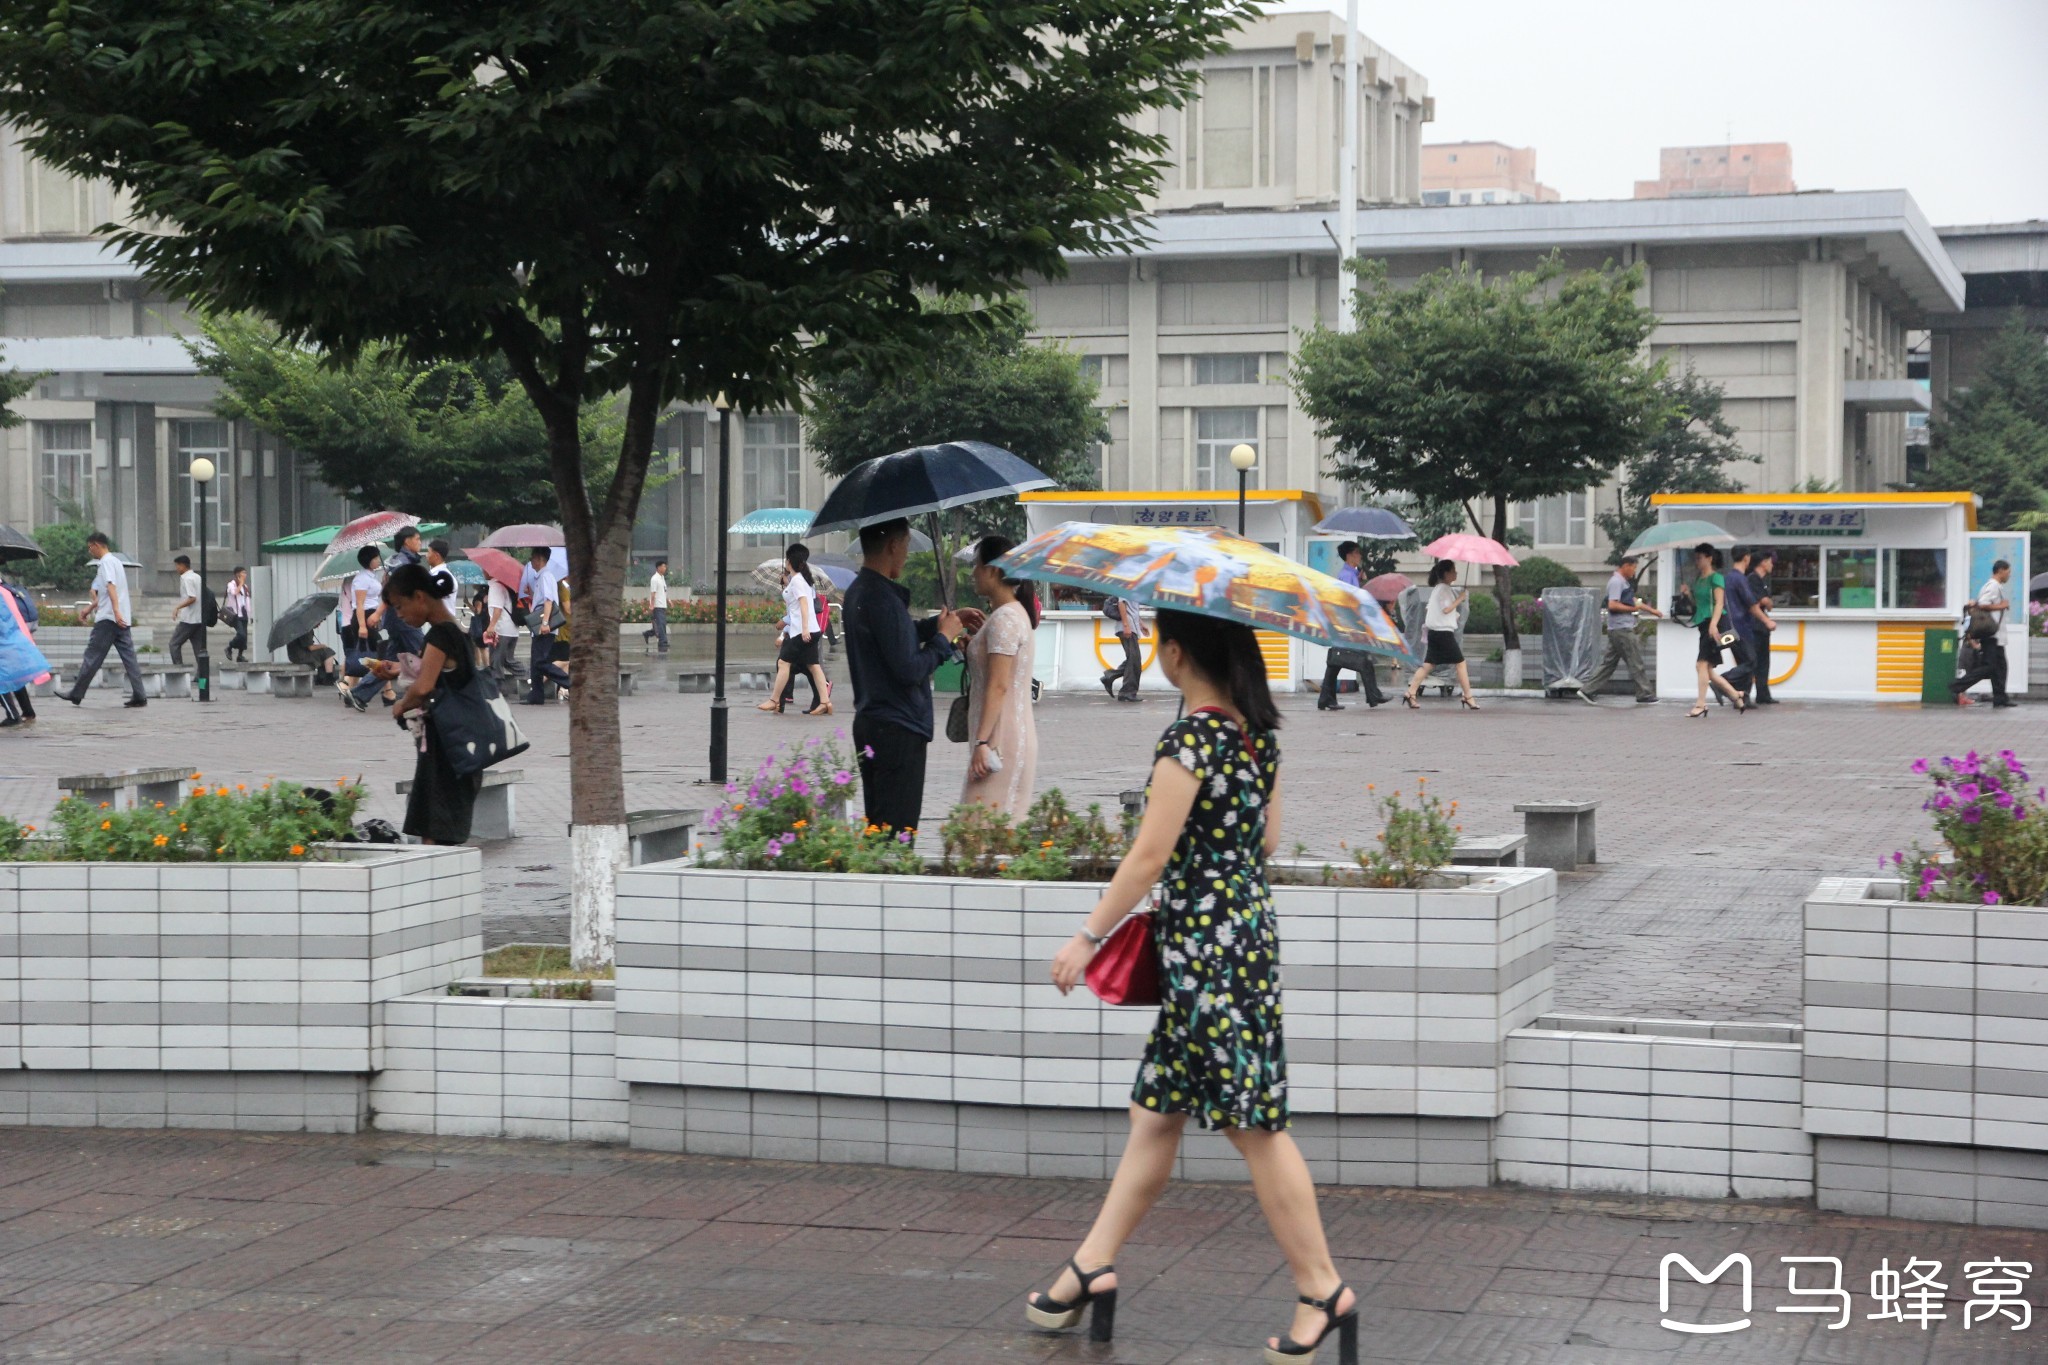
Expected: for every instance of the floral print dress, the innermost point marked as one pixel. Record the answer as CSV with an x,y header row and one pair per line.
x,y
1216,1052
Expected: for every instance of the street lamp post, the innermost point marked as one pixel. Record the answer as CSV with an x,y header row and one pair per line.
x,y
202,687
1242,458
724,541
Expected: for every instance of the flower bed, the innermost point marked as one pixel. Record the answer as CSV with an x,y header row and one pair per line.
x,y
1993,830
276,823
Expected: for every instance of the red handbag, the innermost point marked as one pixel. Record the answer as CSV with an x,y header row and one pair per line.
x,y
1125,970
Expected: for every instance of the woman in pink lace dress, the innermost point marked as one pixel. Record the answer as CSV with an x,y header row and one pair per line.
x,y
1003,761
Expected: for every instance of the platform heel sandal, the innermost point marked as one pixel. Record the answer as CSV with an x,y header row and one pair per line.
x,y
1292,1352
1053,1315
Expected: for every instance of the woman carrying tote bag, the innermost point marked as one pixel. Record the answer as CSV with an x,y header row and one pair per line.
x,y
1211,819
443,801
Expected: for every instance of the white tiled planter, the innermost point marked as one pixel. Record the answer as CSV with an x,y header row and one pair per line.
x,y
484,1066
244,967
936,989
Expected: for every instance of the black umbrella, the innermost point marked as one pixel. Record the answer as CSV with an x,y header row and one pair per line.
x,y
2037,585
302,617
927,479
17,545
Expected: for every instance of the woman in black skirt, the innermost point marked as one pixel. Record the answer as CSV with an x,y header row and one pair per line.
x,y
443,801
1440,627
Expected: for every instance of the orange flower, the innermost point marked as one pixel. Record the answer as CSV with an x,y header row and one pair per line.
x,y
159,805
218,851
161,840
28,829
240,788
106,824
194,778
298,850
181,827
801,824
104,805
220,791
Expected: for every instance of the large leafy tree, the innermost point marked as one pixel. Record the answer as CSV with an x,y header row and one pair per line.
x,y
1688,451
662,199
990,384
458,441
1992,437
1484,389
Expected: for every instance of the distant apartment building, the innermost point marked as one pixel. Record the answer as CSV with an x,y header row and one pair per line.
x,y
1733,168
1481,173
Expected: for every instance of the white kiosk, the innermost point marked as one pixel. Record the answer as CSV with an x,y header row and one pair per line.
x,y
1860,580
1076,643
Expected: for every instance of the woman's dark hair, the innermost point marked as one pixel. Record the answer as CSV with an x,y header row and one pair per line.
x,y
1441,570
988,550
410,580
1713,556
799,557
368,555
1227,654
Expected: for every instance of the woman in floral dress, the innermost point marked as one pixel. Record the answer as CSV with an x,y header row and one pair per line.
x,y
1002,765
1212,817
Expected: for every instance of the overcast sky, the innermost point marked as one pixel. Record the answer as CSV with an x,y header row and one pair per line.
x,y
1945,98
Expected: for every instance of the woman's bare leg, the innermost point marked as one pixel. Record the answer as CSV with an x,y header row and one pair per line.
x,y
820,689
1141,1173
1287,1195
774,702
1464,680
1421,676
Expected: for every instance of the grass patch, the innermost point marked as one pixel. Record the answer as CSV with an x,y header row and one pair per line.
x,y
538,961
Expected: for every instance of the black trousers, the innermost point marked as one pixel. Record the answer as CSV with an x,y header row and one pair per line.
x,y
1132,668
1358,662
891,772
1986,661
543,668
1761,680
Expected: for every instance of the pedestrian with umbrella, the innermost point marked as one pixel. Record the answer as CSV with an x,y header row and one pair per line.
x,y
890,659
19,704
1212,820
236,612
1440,628
502,629
1352,562
1624,646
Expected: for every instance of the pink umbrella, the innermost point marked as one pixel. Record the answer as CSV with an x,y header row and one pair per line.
x,y
374,529
498,566
1388,586
1466,548
525,536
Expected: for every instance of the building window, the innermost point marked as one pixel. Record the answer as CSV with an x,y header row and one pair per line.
x,y
1216,431
1916,580
771,467
1096,368
189,441
64,466
1227,369
1556,520
1227,129
1851,579
60,202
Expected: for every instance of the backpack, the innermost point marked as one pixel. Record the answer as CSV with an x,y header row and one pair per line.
x,y
29,612
209,607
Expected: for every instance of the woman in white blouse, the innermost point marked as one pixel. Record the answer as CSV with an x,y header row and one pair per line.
x,y
1440,628
799,651
1003,765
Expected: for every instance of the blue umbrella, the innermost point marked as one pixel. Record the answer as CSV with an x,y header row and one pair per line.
x,y
468,573
1373,523
772,521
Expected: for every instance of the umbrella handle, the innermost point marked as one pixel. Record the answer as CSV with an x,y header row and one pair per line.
x,y
939,560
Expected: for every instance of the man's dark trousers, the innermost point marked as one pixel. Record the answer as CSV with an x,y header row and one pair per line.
x,y
544,668
1132,669
182,633
1760,640
891,772
1359,662
106,635
1989,662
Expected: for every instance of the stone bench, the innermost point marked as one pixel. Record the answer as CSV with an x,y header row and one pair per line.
x,y
1489,850
700,679
659,836
496,812
278,680
167,680
1560,833
127,788
628,679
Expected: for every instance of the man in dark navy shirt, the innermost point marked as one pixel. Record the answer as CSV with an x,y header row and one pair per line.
x,y
1742,619
890,659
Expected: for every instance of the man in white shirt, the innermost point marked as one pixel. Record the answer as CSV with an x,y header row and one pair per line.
x,y
437,563
1984,637
657,606
544,615
501,634
109,614
185,617
365,607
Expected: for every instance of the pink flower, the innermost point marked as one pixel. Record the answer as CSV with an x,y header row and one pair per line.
x,y
1920,766
867,751
1991,898
842,778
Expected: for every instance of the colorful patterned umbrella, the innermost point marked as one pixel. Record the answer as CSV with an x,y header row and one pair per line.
x,y
1209,571
374,529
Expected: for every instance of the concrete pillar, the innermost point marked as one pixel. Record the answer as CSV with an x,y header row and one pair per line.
x,y
1144,332
1818,449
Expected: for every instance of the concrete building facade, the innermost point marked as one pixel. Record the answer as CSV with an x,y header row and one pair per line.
x,y
1482,173
1731,168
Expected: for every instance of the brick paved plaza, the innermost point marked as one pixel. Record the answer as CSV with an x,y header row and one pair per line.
x,y
185,1248
1711,830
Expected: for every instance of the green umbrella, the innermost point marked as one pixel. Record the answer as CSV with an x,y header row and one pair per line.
x,y
1672,533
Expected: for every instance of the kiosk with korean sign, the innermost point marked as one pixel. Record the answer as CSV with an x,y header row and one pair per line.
x,y
1076,643
1860,579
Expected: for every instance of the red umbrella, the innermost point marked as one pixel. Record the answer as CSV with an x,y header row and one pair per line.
x,y
374,529
1388,586
525,536
500,567
1466,548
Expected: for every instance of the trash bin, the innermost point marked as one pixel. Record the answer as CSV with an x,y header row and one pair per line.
x,y
1938,667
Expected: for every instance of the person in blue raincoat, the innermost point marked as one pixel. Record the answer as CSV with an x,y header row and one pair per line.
x,y
21,663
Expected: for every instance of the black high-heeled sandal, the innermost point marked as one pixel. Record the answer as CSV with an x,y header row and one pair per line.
x,y
1408,700
1054,1315
1346,1327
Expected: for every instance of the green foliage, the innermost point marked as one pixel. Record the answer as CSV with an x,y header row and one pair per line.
x,y
277,823
1484,617
459,441
984,383
1416,841
1688,451
921,576
1052,844
1431,518
1992,438
1489,389
1538,572
792,816
65,564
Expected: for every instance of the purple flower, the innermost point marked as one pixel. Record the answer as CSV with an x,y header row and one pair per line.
x,y
1991,898
842,778
799,786
1920,766
1969,791
867,751
1972,816
1943,801
1898,860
